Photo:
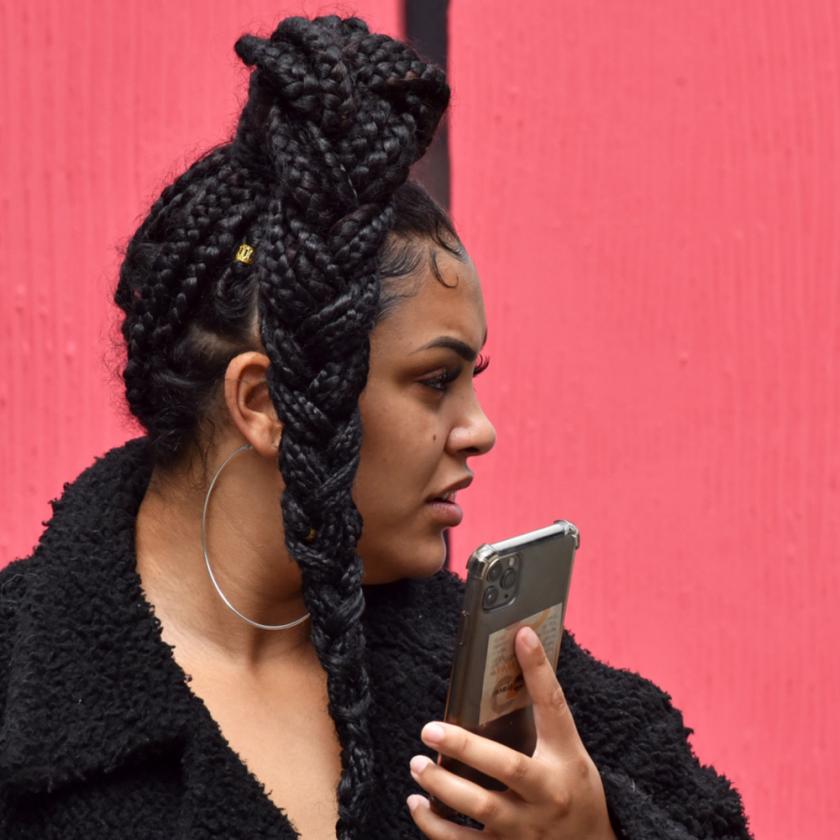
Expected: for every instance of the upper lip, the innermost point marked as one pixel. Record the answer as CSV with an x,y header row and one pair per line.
x,y
452,488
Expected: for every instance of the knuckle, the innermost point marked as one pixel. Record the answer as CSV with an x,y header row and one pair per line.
x,y
561,801
487,809
517,768
463,743
557,700
583,767
541,660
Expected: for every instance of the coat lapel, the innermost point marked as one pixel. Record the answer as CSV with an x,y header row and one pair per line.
x,y
89,681
91,685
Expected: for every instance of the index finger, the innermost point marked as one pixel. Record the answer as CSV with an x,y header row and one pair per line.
x,y
555,724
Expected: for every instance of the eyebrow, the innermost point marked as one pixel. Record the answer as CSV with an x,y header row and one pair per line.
x,y
449,343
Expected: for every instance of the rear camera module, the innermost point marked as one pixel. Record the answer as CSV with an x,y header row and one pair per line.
x,y
490,597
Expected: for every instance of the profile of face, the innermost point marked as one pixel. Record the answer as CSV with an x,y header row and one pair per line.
x,y
422,420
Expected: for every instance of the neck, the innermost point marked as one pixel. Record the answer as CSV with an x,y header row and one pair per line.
x,y
245,545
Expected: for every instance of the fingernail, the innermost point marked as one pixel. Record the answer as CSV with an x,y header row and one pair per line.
x,y
419,763
413,801
432,733
532,640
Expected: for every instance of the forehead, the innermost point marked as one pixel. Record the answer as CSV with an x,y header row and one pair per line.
x,y
449,304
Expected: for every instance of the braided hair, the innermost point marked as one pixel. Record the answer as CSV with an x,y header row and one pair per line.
x,y
315,179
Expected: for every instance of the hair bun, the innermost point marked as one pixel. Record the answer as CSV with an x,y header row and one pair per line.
x,y
371,98
304,68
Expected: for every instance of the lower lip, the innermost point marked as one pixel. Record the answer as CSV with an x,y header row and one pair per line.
x,y
447,512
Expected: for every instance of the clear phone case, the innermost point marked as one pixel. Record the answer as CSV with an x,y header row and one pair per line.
x,y
520,581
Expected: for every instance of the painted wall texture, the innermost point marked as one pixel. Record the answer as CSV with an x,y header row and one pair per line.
x,y
102,103
650,192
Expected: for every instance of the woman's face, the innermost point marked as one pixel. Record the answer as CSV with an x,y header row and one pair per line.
x,y
422,420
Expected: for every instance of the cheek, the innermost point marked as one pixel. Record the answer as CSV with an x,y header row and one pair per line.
x,y
399,463
401,449
395,472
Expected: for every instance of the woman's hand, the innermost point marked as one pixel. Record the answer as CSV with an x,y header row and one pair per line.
x,y
556,793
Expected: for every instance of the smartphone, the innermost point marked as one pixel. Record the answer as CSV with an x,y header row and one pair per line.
x,y
520,581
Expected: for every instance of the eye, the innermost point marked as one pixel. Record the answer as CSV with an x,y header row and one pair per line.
x,y
441,382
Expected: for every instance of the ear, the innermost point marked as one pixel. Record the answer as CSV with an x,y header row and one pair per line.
x,y
249,403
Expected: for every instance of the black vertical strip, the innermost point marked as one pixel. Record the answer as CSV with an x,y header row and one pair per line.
x,y
426,29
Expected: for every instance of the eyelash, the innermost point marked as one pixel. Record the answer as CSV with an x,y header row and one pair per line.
x,y
439,383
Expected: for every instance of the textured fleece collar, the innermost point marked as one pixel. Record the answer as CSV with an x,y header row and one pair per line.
x,y
79,644
87,643
92,687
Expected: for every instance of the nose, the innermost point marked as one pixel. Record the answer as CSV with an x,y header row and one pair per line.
x,y
474,434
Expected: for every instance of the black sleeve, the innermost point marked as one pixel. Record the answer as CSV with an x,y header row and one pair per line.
x,y
656,789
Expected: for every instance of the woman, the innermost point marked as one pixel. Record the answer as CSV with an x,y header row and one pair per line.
x,y
183,659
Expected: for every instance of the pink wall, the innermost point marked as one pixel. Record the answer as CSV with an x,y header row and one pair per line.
x,y
102,102
650,192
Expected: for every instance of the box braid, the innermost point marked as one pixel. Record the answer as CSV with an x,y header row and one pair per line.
x,y
316,180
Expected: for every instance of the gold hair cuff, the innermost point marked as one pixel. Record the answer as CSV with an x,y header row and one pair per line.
x,y
245,254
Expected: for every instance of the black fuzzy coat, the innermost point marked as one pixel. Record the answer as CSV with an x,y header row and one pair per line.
x,y
101,737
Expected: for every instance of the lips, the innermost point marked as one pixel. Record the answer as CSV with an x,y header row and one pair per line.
x,y
447,494
448,497
442,504
447,513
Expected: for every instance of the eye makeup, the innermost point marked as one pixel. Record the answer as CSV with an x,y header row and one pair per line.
x,y
440,383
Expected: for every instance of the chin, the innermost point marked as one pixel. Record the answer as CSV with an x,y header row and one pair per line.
x,y
394,566
426,571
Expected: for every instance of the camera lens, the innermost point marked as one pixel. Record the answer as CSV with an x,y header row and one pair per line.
x,y
509,578
491,596
495,572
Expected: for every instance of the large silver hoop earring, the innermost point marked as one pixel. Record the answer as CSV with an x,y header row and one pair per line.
x,y
213,580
